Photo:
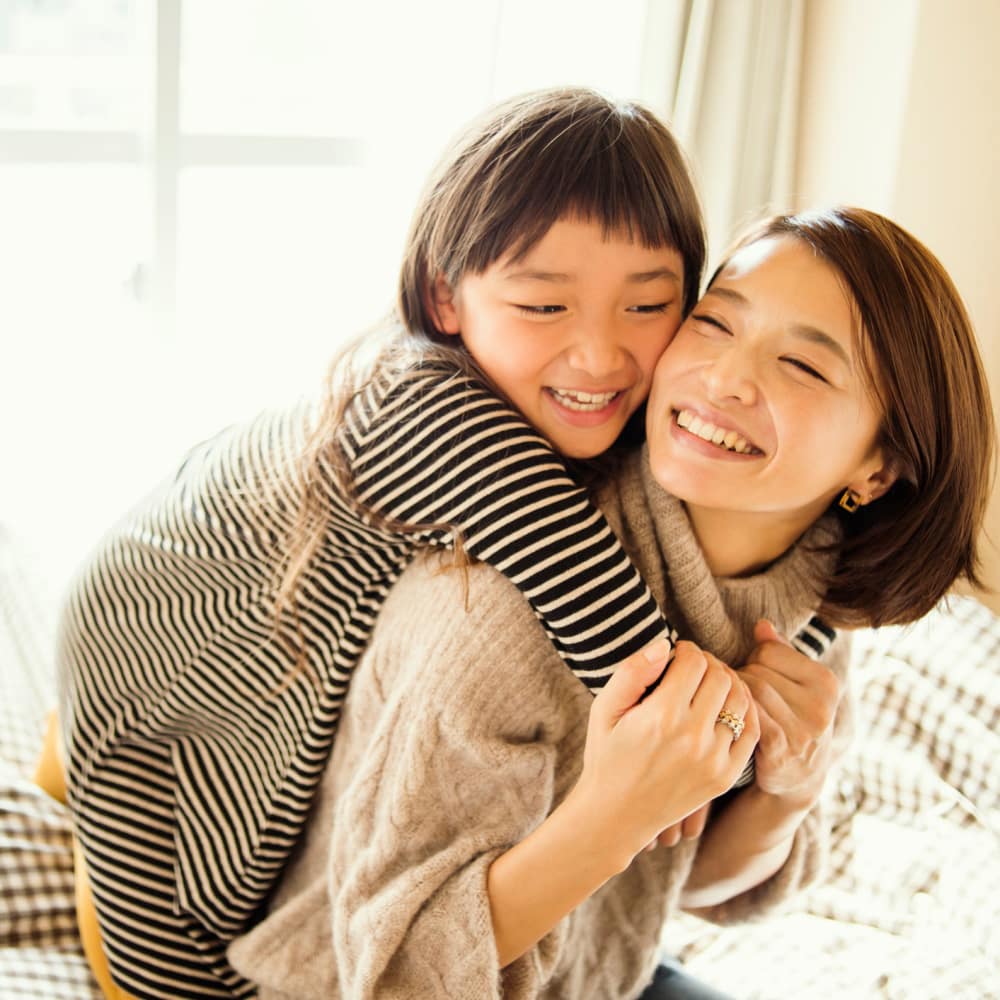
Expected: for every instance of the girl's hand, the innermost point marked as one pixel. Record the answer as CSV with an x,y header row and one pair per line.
x,y
651,761
689,828
796,699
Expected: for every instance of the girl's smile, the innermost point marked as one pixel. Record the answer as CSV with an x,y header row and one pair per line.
x,y
578,408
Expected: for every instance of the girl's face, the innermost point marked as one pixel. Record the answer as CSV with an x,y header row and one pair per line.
x,y
759,407
570,332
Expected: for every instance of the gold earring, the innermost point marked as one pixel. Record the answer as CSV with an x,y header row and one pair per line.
x,y
850,500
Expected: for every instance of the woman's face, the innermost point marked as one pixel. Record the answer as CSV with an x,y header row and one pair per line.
x,y
759,405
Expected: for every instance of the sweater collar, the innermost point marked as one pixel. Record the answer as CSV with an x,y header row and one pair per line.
x,y
720,612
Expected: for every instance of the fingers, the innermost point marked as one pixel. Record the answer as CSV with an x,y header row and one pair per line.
x,y
751,730
812,697
694,825
683,680
739,696
795,668
690,828
670,837
764,631
771,739
770,701
629,682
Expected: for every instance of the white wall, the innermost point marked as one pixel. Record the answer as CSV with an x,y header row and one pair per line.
x,y
901,113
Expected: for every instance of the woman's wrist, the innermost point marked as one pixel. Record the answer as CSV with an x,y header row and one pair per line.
x,y
544,877
595,818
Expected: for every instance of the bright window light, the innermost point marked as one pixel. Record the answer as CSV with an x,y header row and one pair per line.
x,y
201,200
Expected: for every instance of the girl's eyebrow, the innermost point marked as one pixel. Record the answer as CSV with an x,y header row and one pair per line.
x,y
659,272
811,333
530,274
638,277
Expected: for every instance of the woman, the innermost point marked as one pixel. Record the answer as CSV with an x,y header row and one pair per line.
x,y
482,834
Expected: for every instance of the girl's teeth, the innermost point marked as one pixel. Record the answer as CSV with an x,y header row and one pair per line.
x,y
730,440
583,401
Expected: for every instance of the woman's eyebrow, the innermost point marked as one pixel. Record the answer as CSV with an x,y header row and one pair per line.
x,y
737,298
821,339
811,333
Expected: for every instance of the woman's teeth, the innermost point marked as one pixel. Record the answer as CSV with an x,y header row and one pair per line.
x,y
583,401
730,440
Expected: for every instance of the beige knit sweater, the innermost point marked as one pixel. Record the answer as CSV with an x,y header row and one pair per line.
x,y
462,731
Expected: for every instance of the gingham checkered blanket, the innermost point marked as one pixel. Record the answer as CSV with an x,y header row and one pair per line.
x,y
910,910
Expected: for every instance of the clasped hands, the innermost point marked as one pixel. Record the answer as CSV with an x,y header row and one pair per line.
x,y
667,757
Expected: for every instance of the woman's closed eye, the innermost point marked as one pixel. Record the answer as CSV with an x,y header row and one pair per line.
x,y
711,321
805,367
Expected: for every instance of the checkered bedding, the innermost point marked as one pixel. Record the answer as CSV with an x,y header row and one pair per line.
x,y
40,953
910,910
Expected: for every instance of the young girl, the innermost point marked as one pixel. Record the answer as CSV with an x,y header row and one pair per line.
x,y
552,259
479,831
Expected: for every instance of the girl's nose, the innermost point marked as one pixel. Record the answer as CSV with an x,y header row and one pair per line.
x,y
597,351
730,378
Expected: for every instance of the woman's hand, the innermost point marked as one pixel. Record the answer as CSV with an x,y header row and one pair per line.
x,y
796,700
651,761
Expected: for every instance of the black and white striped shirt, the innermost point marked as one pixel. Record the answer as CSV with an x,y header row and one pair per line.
x,y
194,744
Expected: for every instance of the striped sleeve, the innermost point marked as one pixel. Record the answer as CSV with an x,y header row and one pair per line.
x,y
435,447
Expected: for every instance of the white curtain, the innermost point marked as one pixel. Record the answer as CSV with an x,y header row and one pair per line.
x,y
725,74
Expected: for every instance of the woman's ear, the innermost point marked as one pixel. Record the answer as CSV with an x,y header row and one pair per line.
x,y
877,478
441,304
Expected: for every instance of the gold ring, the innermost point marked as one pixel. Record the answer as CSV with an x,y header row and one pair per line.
x,y
734,722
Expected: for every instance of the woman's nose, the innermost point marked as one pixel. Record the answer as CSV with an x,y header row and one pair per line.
x,y
730,377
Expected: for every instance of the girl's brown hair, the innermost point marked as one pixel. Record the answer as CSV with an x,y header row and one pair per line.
x,y
538,158
497,191
901,553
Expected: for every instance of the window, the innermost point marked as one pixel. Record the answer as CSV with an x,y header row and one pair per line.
x,y
200,200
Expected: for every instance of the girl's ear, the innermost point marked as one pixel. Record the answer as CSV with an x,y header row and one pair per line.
x,y
442,306
876,478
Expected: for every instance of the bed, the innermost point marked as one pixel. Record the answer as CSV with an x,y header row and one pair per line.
x,y
910,907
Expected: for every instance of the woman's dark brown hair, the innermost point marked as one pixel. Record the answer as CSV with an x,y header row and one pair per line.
x,y
902,552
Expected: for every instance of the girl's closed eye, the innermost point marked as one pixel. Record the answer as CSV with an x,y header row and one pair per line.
x,y
544,310
651,309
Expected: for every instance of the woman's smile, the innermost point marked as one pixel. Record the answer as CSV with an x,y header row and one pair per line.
x,y
721,437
